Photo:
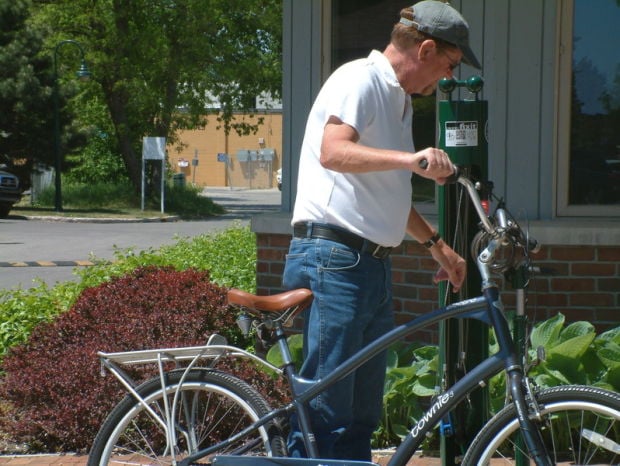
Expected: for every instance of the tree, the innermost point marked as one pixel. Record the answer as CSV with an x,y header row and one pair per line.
x,y
25,92
160,64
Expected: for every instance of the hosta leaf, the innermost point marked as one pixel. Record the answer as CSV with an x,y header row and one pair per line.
x,y
576,329
612,335
547,333
425,385
610,355
613,378
553,377
571,349
426,353
604,385
547,380
392,359
400,430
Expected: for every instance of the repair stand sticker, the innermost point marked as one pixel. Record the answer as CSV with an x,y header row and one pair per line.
x,y
461,133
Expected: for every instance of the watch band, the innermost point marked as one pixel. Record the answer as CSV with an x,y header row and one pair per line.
x,y
432,241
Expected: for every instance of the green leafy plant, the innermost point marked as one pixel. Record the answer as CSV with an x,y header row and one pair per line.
x,y
411,377
105,198
230,257
575,354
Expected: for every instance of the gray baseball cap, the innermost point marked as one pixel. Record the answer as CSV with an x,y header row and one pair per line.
x,y
439,19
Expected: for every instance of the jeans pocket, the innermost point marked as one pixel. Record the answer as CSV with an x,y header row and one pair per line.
x,y
295,271
341,259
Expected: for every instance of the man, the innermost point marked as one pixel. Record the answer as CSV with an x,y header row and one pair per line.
x,y
354,204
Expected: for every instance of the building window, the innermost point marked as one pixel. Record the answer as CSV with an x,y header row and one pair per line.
x,y
589,111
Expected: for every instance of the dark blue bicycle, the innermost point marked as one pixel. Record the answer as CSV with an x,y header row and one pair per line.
x,y
196,414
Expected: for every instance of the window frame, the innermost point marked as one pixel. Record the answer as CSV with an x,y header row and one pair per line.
x,y
563,126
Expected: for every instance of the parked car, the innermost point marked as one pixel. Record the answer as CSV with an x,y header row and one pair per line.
x,y
279,178
10,192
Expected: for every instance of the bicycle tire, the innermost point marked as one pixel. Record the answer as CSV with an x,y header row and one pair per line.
x,y
213,407
570,413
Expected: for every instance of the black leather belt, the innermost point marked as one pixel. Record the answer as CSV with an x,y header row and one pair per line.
x,y
339,235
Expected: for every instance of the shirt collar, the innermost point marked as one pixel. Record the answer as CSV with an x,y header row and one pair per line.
x,y
384,66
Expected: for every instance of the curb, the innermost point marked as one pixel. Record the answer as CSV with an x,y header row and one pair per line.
x,y
62,263
51,218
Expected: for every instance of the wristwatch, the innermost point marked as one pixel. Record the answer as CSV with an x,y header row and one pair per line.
x,y
432,241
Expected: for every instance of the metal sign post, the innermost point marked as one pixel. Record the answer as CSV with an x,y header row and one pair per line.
x,y
463,342
194,165
154,148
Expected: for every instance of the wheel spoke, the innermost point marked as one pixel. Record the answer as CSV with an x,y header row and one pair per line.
x,y
210,408
579,426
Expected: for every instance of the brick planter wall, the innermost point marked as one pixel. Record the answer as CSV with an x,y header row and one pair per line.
x,y
586,285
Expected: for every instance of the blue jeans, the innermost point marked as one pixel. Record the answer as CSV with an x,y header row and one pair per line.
x,y
352,306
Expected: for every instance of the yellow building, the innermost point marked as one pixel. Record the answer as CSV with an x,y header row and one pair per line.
x,y
208,157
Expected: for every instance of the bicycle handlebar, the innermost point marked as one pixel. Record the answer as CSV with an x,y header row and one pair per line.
x,y
498,232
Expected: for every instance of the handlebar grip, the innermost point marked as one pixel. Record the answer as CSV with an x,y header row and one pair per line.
x,y
423,164
455,175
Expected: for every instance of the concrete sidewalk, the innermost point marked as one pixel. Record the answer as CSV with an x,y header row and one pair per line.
x,y
44,460
80,460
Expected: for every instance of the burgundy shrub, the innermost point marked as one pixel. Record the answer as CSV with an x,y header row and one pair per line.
x,y
57,397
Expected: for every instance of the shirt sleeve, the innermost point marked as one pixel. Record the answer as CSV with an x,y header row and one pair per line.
x,y
351,98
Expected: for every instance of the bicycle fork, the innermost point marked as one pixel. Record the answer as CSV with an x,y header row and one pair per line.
x,y
516,381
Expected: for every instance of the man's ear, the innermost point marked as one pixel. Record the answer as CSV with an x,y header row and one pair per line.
x,y
427,49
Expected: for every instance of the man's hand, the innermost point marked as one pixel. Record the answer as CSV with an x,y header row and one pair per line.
x,y
453,267
437,167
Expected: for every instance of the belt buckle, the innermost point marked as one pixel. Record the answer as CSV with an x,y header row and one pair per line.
x,y
381,252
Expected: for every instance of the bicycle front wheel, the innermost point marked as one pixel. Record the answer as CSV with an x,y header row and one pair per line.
x,y
209,407
580,425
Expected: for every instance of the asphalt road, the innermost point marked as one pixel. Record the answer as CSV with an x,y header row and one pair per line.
x,y
34,249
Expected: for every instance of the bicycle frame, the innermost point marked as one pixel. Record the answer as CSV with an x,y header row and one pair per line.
x,y
486,308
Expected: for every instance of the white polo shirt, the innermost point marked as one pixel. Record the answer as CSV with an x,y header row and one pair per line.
x,y
366,95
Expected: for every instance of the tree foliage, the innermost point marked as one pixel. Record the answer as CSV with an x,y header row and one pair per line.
x,y
24,97
158,65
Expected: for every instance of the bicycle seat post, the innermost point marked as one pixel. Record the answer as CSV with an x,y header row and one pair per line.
x,y
287,358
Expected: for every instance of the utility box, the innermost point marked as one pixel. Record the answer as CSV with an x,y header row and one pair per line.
x,y
178,180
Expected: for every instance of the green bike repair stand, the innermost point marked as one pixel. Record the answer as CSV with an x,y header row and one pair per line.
x,y
519,279
462,133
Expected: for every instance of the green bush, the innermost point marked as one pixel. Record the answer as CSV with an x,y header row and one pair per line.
x,y
118,198
105,196
187,202
230,257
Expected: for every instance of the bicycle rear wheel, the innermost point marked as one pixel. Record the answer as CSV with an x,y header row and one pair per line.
x,y
210,407
581,425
